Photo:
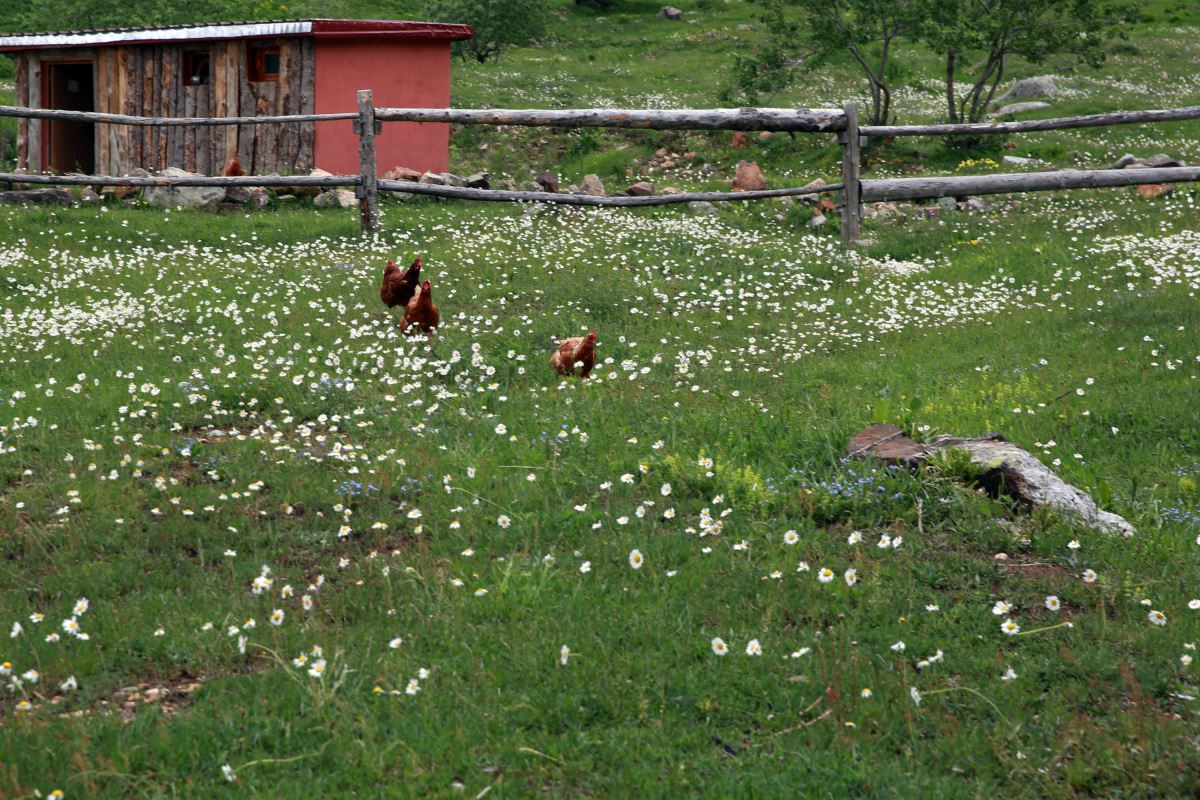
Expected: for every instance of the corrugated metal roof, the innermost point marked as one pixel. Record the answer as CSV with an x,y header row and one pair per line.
x,y
205,31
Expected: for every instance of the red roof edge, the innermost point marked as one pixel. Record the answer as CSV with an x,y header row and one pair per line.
x,y
400,29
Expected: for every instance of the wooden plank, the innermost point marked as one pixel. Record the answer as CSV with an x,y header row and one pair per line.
x,y
851,200
22,89
283,133
203,147
187,97
120,86
133,103
178,103
960,186
233,54
105,134
153,158
306,154
246,108
217,105
1026,126
147,99
164,106
295,105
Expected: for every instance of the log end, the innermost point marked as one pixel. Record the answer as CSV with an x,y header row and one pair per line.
x,y
886,443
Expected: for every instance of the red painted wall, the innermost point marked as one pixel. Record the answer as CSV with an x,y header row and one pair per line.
x,y
401,74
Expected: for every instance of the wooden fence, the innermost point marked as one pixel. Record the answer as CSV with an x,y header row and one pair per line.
x,y
368,121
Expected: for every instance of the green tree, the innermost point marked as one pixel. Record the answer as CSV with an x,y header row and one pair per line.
x,y
497,24
976,39
806,34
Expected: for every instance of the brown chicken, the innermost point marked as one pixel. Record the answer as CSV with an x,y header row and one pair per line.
x,y
399,287
421,313
233,169
576,350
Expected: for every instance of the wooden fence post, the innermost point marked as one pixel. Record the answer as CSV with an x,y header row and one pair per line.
x,y
368,192
851,188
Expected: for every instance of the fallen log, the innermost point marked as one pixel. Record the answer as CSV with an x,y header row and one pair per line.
x,y
1005,468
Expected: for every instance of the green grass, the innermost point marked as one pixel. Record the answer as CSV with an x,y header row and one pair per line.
x,y
187,336
152,365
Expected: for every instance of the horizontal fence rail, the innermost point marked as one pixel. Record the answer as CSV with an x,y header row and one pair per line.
x,y
1033,125
919,188
807,120
126,119
619,201
369,119
171,180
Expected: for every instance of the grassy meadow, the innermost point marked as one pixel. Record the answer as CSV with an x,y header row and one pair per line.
x,y
255,543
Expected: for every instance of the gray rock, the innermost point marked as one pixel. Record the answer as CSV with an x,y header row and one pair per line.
x,y
286,198
450,179
947,203
1021,108
1040,86
37,196
530,186
640,189
259,196
703,208
976,205
433,178
592,185
817,221
208,198
237,195
336,197
1018,160
326,199
1162,160
670,12
88,195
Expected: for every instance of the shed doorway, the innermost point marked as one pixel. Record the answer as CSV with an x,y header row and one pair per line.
x,y
70,146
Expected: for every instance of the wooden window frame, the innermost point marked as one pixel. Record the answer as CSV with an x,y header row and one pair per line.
x,y
189,62
256,62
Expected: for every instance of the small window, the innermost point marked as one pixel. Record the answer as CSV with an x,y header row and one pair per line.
x,y
195,68
263,63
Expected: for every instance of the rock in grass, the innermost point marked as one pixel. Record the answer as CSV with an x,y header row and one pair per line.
x,y
1039,86
703,208
400,173
640,189
1150,191
1004,467
670,12
37,197
1021,108
748,177
592,185
204,197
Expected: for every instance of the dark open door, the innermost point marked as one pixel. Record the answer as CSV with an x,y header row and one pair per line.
x,y
70,146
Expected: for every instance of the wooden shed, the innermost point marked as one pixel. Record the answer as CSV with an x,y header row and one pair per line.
x,y
303,66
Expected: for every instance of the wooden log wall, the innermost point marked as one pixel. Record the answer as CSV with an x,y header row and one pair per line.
x,y
148,80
